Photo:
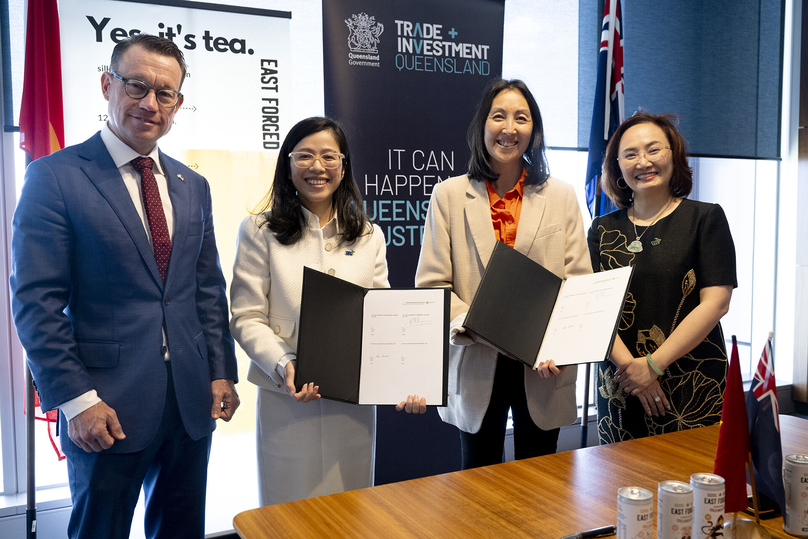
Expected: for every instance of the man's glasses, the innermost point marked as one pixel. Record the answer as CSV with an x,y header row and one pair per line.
x,y
137,89
653,155
306,160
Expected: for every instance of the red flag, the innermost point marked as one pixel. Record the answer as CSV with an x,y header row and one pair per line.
x,y
42,129
733,438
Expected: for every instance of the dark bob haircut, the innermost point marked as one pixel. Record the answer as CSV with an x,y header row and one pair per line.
x,y
286,218
480,167
682,179
156,44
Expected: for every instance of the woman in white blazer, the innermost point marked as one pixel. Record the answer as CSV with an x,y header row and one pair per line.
x,y
306,446
507,195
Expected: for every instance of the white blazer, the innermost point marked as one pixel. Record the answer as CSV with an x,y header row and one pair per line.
x,y
268,282
458,241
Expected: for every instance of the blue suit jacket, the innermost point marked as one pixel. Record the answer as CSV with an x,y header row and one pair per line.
x,y
89,304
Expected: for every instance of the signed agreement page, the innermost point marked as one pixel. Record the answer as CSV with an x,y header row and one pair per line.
x,y
585,317
403,338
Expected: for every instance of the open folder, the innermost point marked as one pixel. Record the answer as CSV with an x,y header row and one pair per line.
x,y
531,314
373,345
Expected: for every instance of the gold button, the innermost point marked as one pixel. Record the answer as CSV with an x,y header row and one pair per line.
x,y
328,247
332,272
277,329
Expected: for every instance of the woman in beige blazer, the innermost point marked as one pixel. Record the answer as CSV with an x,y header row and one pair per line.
x,y
307,446
507,195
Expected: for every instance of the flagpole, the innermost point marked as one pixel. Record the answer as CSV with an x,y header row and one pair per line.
x,y
30,442
585,413
751,469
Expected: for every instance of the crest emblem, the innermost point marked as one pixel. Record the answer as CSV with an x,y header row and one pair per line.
x,y
363,33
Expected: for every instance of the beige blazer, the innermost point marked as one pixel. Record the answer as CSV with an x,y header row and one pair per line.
x,y
458,242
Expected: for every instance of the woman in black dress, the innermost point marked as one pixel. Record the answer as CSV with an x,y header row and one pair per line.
x,y
668,366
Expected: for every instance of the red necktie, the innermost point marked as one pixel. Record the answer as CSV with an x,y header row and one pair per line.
x,y
161,241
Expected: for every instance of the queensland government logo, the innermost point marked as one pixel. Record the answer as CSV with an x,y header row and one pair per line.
x,y
363,38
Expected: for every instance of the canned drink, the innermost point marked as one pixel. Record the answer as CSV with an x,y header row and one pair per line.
x,y
635,513
708,505
674,510
795,481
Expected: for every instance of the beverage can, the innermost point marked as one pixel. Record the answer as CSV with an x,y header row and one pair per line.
x,y
635,513
674,510
795,481
708,505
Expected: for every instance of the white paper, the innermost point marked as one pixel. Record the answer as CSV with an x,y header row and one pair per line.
x,y
584,317
402,346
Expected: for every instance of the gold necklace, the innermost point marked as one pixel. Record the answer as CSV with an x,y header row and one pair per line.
x,y
636,245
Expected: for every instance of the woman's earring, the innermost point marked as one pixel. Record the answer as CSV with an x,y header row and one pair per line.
x,y
624,186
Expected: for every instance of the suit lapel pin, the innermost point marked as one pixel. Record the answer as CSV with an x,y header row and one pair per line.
x,y
180,177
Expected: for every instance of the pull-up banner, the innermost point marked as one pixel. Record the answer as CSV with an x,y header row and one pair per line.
x,y
404,79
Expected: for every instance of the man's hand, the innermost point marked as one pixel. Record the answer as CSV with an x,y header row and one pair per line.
x,y
225,399
96,428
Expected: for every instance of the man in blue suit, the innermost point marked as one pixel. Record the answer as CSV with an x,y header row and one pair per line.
x,y
119,301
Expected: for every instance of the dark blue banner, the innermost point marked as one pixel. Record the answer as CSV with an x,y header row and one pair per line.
x,y
404,79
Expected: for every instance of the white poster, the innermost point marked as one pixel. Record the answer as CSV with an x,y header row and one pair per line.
x,y
236,88
236,114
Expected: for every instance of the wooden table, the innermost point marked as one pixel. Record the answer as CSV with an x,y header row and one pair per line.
x,y
548,496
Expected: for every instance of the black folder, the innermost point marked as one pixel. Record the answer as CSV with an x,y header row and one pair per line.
x,y
514,304
329,349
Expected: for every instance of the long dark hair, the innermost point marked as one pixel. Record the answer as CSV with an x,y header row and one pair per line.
x,y
480,168
285,218
682,180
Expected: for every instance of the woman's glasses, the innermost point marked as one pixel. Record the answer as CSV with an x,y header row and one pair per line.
x,y
327,160
653,155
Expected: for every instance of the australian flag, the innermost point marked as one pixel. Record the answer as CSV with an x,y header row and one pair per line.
x,y
764,430
609,110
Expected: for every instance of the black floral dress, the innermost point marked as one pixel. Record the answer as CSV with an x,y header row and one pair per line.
x,y
686,251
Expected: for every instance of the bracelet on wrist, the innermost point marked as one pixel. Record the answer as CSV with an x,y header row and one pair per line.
x,y
653,364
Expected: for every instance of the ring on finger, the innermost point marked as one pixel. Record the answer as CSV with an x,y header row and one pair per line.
x,y
657,399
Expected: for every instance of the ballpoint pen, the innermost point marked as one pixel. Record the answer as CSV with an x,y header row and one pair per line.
x,y
592,534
